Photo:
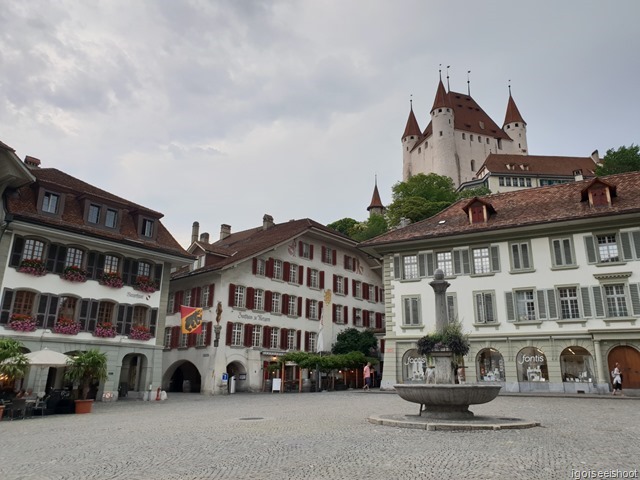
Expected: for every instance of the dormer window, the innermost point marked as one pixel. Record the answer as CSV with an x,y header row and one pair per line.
x,y
50,202
111,218
147,227
599,193
478,211
94,214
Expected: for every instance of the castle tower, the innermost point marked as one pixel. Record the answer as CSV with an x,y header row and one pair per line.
x,y
376,207
410,137
445,158
516,127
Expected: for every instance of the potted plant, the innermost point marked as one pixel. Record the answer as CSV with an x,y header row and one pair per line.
x,y
74,274
22,322
84,368
13,363
140,332
105,330
145,284
33,266
67,326
111,279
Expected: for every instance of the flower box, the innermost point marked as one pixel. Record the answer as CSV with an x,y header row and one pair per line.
x,y
74,274
22,323
33,266
105,330
112,280
145,284
140,332
66,326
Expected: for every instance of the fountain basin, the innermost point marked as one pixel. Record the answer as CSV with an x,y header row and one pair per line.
x,y
447,401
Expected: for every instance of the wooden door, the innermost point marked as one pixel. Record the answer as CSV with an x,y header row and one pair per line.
x,y
629,360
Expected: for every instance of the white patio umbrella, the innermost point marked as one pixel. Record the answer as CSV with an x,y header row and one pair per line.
x,y
45,358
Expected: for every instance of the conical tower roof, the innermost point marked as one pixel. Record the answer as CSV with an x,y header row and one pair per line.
x,y
375,200
412,127
513,114
442,99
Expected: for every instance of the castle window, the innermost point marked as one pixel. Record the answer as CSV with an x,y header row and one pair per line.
x,y
439,110
499,144
448,111
487,141
471,137
516,124
419,150
440,132
508,127
426,144
473,165
464,136
479,139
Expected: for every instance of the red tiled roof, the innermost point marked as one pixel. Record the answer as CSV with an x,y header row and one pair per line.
x,y
23,206
513,114
375,200
249,243
6,147
539,164
412,127
535,206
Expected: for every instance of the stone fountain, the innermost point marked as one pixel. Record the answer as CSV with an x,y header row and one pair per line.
x,y
444,399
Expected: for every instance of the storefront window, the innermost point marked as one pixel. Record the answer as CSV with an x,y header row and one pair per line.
x,y
532,365
414,366
490,366
577,365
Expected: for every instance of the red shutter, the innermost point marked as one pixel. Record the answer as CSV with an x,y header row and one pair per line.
x,y
345,282
335,282
286,266
333,257
248,332
300,274
192,301
266,337
353,287
198,297
212,289
324,253
283,338
322,279
377,297
300,249
251,292
254,266
207,337
345,261
378,320
308,277
365,320
306,341
311,252
299,306
334,309
298,332
175,336
268,300
232,294
269,269
382,345
229,332
320,305
346,314
178,301
353,319
285,304
191,340
365,291
307,302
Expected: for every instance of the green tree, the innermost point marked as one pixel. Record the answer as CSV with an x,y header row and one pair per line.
x,y
375,225
624,159
13,362
474,192
420,197
344,225
354,340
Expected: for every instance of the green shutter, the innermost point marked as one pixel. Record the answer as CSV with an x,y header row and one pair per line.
x,y
597,300
625,240
457,262
429,264
396,267
557,253
466,265
586,302
495,258
591,249
552,305
634,289
636,243
542,311
422,268
511,316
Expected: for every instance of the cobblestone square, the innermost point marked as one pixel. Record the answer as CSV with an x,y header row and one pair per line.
x,y
317,436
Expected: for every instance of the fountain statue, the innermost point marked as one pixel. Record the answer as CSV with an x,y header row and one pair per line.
x,y
445,399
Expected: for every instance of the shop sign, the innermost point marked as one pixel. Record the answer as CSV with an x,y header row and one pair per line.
x,y
273,354
419,360
255,318
530,359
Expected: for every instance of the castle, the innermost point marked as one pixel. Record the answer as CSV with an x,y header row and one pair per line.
x,y
459,137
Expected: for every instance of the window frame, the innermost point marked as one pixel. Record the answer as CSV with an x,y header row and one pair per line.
x,y
481,317
562,246
520,257
412,322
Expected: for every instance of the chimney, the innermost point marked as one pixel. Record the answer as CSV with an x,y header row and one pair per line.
x,y
577,174
595,156
204,237
267,221
31,162
194,232
225,231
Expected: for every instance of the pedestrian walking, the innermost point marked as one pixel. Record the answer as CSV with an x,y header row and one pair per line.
x,y
366,373
617,379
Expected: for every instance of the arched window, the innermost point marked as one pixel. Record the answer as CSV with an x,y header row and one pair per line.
x,y
490,366
473,165
531,364
414,366
576,365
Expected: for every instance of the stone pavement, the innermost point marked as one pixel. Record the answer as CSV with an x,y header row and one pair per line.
x,y
318,436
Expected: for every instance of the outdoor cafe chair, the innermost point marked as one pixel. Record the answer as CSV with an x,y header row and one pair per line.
x,y
18,408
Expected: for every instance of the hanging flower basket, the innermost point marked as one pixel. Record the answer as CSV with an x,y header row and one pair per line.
x,y
74,274
21,322
145,284
67,326
112,280
33,266
105,330
140,332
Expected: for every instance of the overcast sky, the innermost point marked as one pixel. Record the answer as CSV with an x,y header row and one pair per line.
x,y
222,111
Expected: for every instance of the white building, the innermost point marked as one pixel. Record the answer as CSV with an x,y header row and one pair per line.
x,y
83,269
291,286
546,280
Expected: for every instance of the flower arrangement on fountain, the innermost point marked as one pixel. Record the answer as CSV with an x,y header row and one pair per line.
x,y
67,326
111,279
33,266
22,322
451,339
145,284
140,332
74,274
105,330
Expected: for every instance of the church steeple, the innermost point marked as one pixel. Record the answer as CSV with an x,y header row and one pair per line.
x,y
376,207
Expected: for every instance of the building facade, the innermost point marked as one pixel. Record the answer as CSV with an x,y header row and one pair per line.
x,y
546,281
84,269
265,291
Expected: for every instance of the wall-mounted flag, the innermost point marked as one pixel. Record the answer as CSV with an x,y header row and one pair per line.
x,y
191,319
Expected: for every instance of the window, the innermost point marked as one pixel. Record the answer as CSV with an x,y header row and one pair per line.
x,y
293,273
293,305
258,299
236,334
184,340
562,252
67,307
314,278
261,267
313,310
105,312
111,218
171,303
338,314
24,301
277,269
305,250
275,336
328,254
525,305
349,263
607,248
147,227
205,296
371,293
357,317
111,264
616,300
74,257
501,181
507,181
201,337
521,180
568,302
140,316
473,165
313,337
50,203
481,260
339,285
410,267
464,136
275,303
167,337
256,336
471,137
528,182
187,298
411,311
357,289
520,256
444,261
144,269
239,297
291,340
33,250
94,214
484,306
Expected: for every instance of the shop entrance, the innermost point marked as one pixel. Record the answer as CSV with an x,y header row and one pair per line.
x,y
629,360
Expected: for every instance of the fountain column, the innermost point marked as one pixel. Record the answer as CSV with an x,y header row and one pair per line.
x,y
442,359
